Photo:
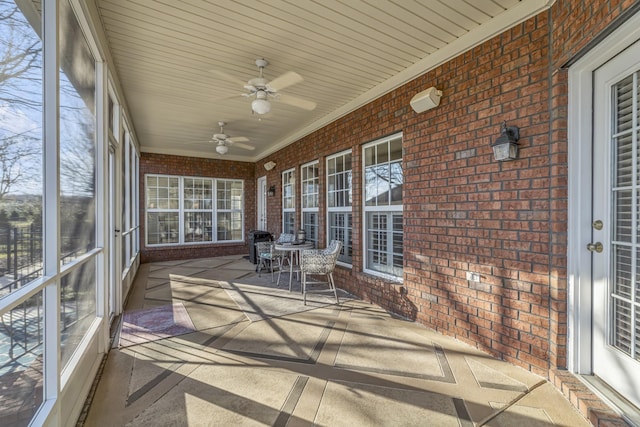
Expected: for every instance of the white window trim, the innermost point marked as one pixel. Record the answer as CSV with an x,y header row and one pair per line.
x,y
181,211
337,209
302,189
217,211
293,210
314,209
366,209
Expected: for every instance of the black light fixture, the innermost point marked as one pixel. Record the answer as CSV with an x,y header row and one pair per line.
x,y
506,146
271,191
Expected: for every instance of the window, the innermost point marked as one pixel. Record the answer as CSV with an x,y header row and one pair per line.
x,y
339,199
383,181
198,215
230,210
310,184
77,140
289,201
183,210
79,201
129,201
163,210
21,211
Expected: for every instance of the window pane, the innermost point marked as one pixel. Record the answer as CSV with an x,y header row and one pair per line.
x,y
77,307
310,184
395,149
331,191
197,193
21,169
288,190
162,227
111,111
77,139
21,373
237,191
369,155
398,244
331,166
310,220
229,226
340,229
288,222
223,196
382,155
396,178
197,227
385,243
377,242
349,191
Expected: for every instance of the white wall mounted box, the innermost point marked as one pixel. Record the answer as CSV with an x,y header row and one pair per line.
x,y
426,100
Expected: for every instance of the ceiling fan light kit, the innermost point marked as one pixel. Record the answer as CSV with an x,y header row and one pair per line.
x,y
222,149
260,105
263,91
223,141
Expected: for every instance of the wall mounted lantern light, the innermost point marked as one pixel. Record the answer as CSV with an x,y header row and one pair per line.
x,y
506,146
271,191
269,165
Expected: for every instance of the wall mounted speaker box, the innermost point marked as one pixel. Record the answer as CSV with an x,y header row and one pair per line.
x,y
426,100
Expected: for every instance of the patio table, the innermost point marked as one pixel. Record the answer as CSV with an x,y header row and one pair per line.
x,y
294,258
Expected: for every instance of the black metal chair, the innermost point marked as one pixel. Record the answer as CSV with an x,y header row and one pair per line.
x,y
268,257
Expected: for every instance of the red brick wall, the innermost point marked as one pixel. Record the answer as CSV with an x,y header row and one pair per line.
x,y
577,22
463,211
192,166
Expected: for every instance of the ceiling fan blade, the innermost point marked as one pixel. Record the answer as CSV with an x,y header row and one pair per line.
x,y
228,77
287,79
245,146
297,102
238,139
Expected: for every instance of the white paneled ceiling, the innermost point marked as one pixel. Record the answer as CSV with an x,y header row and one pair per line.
x,y
171,58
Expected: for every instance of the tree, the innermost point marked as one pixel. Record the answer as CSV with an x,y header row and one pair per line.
x,y
15,151
20,98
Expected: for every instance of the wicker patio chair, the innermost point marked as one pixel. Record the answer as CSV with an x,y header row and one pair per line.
x,y
320,262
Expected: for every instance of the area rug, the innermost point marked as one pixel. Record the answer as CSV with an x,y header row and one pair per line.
x,y
151,324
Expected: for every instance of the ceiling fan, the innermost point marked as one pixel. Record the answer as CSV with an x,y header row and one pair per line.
x,y
263,90
224,141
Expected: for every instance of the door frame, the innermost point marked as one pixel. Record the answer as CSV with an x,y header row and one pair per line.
x,y
261,211
580,202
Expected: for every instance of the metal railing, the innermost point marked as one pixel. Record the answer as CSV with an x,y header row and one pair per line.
x,y
20,263
20,256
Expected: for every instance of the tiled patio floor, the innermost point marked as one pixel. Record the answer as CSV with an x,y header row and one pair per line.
x,y
260,357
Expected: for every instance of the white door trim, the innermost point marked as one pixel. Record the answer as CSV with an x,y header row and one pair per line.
x,y
261,214
580,143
